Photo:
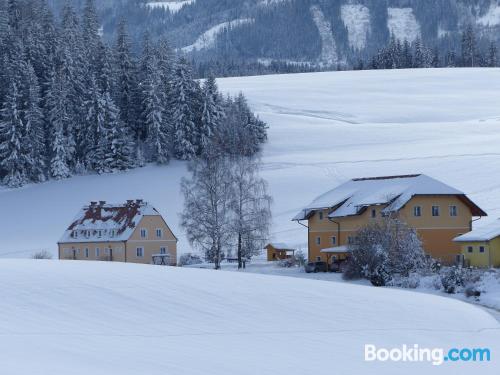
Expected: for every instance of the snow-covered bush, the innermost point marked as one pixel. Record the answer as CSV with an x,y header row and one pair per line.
x,y
385,249
287,263
300,257
188,259
43,254
454,279
412,281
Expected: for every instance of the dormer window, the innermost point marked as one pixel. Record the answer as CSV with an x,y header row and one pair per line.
x,y
99,233
74,234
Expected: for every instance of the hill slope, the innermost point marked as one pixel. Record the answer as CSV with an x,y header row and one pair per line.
x,y
330,32
101,318
324,129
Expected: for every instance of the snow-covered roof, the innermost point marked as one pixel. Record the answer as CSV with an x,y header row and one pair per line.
x,y
353,196
336,249
280,246
484,233
100,221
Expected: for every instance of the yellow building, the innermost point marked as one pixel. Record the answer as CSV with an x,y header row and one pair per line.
x,y
481,247
437,211
278,251
133,232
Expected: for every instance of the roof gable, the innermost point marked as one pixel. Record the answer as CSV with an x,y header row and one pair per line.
x,y
107,222
352,197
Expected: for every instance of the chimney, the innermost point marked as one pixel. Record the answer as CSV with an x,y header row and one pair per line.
x,y
139,201
102,203
130,201
93,203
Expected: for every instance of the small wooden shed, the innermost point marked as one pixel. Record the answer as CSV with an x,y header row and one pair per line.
x,y
279,251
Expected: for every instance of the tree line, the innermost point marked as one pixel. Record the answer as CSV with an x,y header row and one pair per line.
x,y
72,104
399,54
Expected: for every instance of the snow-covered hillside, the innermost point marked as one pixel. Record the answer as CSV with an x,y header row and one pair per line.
x,y
329,53
324,129
84,318
174,6
208,38
403,24
356,18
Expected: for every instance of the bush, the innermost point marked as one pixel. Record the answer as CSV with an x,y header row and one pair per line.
x,y
287,263
189,259
300,257
454,279
385,249
43,254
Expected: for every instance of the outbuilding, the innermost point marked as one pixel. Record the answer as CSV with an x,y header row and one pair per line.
x,y
279,251
481,247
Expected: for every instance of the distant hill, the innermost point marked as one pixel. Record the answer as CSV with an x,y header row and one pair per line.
x,y
320,32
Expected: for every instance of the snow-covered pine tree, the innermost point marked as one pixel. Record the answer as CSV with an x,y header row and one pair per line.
x,y
12,129
90,32
211,115
102,116
255,130
75,73
184,107
120,155
56,108
125,92
34,138
469,47
153,102
493,55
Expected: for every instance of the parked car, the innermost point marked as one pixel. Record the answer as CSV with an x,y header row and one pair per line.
x,y
316,267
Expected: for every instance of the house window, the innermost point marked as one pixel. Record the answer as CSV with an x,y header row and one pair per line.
x,y
417,211
318,240
139,252
163,250
350,240
321,215
334,240
453,211
86,252
470,249
481,249
74,234
99,233
435,210
144,233
97,252
159,233
374,213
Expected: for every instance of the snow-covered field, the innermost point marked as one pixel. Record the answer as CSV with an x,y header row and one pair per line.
x,y
324,129
101,318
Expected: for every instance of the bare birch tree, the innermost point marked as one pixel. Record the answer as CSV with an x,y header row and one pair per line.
x,y
251,207
207,199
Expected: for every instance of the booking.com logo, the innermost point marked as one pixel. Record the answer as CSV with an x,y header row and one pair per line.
x,y
437,356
